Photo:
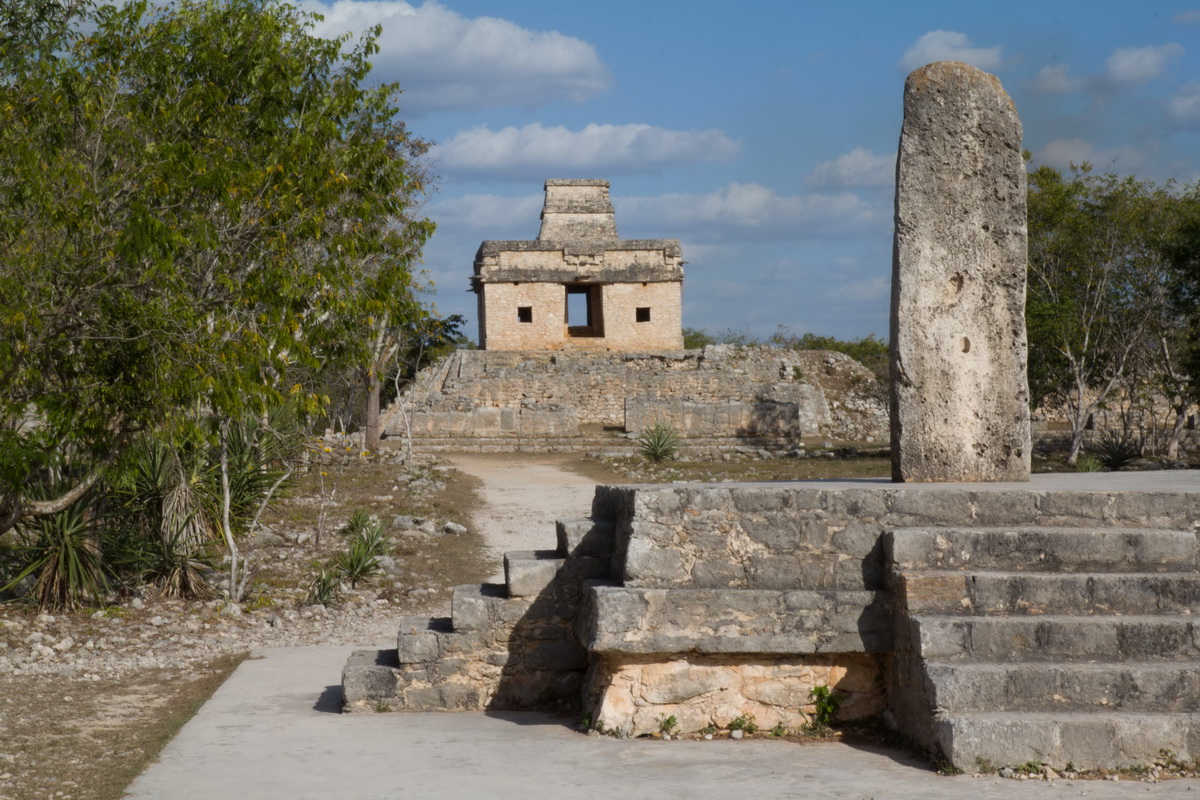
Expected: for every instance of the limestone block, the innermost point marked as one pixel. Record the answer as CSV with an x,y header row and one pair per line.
x,y
960,396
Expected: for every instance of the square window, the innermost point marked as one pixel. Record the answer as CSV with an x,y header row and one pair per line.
x,y
524,313
643,314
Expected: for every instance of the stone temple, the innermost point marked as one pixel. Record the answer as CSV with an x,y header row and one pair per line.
x,y
578,286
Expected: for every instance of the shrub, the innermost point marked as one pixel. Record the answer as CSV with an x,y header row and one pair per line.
x,y
659,442
1088,463
826,702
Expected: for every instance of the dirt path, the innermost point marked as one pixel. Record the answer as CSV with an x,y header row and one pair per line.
x,y
522,498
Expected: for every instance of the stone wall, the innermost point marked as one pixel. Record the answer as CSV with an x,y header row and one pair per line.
x,y
720,391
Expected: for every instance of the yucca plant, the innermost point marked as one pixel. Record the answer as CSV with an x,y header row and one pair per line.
x,y
1088,463
659,442
372,537
63,554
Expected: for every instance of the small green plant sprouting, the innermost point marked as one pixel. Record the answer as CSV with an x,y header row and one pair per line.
x,y
358,563
1029,768
947,768
585,722
797,374
708,730
668,726
1088,463
826,701
381,707
743,723
659,443
985,766
325,587
779,731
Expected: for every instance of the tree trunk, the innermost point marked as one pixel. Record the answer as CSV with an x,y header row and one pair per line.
x,y
1172,451
226,524
372,437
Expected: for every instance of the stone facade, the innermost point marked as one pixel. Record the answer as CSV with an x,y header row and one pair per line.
x,y
960,395
578,286
720,394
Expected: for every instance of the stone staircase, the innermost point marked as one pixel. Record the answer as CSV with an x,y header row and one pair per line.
x,y
505,646
1055,645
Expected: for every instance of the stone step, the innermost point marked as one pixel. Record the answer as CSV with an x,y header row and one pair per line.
x,y
991,740
1055,638
585,537
1042,549
528,573
970,592
1134,686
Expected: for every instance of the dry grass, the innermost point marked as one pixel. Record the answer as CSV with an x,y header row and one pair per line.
x,y
87,740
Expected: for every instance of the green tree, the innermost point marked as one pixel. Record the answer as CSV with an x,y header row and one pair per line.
x,y
1095,305
204,208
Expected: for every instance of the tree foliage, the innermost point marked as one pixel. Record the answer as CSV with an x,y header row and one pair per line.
x,y
1103,322
204,207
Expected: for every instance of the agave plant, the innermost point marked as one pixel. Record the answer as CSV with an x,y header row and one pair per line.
x,y
326,586
659,442
1117,450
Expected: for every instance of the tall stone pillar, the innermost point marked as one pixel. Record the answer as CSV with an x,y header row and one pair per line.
x,y
960,392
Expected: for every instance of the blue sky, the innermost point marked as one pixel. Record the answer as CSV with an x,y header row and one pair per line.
x,y
762,135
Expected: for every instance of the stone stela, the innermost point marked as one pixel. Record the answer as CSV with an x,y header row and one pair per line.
x,y
578,286
960,391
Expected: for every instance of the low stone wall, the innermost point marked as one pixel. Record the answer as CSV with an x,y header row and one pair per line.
x,y
720,391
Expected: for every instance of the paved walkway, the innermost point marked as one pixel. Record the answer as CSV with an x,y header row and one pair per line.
x,y
272,732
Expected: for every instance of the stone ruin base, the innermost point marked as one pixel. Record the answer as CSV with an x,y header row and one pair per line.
x,y
1051,621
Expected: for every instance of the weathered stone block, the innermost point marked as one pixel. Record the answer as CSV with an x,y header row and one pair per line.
x,y
527,573
960,396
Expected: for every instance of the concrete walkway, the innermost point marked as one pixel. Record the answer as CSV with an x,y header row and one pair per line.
x,y
273,732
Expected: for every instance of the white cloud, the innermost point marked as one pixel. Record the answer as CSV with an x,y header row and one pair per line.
x,y
1054,80
1138,64
607,149
751,212
445,61
1187,17
488,212
1062,153
859,167
948,46
1184,106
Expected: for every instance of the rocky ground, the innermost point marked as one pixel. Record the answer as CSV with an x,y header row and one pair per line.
x,y
87,696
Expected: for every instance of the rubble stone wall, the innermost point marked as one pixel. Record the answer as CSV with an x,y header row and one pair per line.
x,y
720,391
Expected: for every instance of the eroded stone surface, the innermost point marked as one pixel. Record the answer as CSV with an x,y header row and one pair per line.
x,y
637,693
960,394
